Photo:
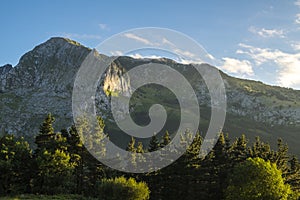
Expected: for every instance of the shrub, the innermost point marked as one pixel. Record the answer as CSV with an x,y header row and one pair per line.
x,y
257,179
122,188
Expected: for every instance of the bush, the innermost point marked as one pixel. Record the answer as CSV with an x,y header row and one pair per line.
x,y
122,188
257,179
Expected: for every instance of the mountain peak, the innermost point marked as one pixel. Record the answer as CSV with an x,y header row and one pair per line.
x,y
59,40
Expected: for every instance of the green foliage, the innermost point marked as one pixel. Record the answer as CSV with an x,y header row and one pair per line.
x,y
140,148
54,168
47,126
131,145
154,144
81,138
15,165
256,179
122,188
166,139
62,164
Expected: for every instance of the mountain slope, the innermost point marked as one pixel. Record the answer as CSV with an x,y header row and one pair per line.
x,y
42,82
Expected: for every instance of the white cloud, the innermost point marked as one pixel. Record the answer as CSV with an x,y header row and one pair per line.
x,y
166,41
184,53
267,33
288,63
297,20
235,66
296,46
138,38
139,56
81,36
103,27
188,61
117,53
177,59
210,56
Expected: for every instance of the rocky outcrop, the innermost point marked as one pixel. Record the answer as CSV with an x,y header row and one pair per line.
x,y
42,82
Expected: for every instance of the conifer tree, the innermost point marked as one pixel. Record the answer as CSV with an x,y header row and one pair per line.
x,y
46,136
131,145
165,140
15,165
239,150
140,148
293,175
154,144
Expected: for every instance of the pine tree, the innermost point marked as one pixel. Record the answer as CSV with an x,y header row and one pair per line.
x,y
78,155
239,150
154,144
140,148
220,165
55,171
47,125
15,165
293,175
46,136
52,150
281,157
93,139
131,145
132,157
165,140
262,150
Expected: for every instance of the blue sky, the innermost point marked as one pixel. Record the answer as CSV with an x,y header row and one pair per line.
x,y
257,40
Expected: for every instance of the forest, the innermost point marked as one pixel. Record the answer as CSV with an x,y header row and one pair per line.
x,y
59,165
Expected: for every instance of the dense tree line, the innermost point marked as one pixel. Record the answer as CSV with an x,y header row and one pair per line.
x,y
60,163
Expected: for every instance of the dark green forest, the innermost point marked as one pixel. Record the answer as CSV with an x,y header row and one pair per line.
x,y
60,164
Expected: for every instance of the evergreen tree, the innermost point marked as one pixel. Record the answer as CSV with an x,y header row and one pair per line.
x,y
165,140
261,149
154,144
239,151
47,126
46,136
88,138
132,154
15,165
217,166
140,148
78,155
55,172
140,158
131,145
293,175
281,157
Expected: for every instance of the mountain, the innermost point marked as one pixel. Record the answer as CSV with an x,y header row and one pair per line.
x,y
42,82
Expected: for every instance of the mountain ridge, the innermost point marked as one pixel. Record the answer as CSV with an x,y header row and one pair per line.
x,y
43,79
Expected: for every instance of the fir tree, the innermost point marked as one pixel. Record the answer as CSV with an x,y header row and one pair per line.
x,y
140,148
131,145
15,165
154,144
165,140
